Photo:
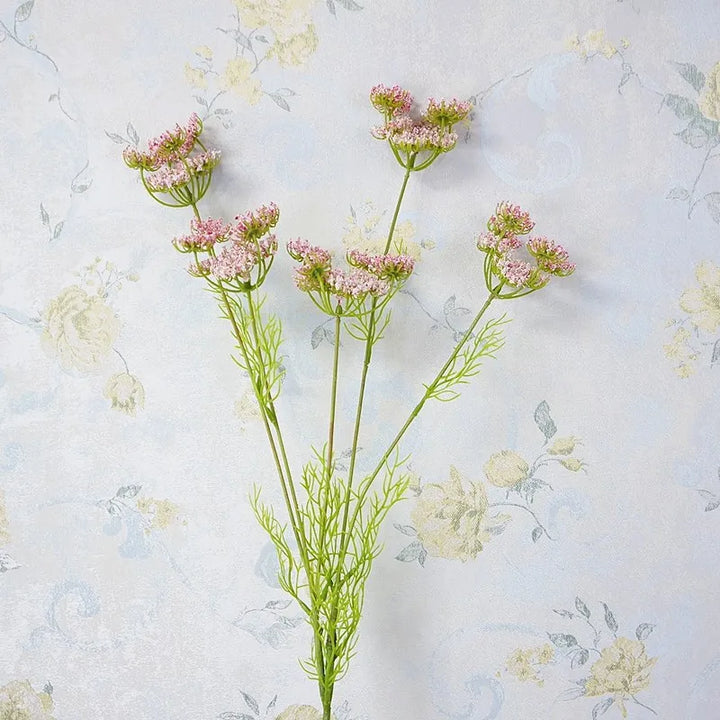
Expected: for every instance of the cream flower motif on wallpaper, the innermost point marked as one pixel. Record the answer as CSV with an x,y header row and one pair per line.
x,y
697,333
19,701
4,524
80,328
246,409
6,561
452,519
615,668
264,32
143,517
457,518
525,664
710,99
698,112
594,42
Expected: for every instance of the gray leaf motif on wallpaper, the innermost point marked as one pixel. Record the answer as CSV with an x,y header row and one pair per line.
x,y
698,112
7,563
270,625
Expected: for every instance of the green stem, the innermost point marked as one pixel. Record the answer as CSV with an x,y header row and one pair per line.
x,y
367,483
286,483
277,444
366,367
331,437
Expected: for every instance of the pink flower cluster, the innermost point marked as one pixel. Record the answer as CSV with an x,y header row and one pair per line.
x,y
203,235
509,220
257,223
501,243
369,274
355,283
249,244
447,112
551,257
181,172
173,161
414,136
238,259
432,131
168,148
391,100
390,267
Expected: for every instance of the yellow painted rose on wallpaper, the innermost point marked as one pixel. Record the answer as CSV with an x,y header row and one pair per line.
x,y
4,523
621,672
264,32
697,333
20,701
524,664
81,328
456,519
614,669
452,519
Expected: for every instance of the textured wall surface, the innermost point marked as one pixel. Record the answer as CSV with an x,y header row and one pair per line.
x,y
576,574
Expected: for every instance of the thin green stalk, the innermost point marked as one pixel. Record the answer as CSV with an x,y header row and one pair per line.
x,y
286,482
338,570
366,365
416,411
331,436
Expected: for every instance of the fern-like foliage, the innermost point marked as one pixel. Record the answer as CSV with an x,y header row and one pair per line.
x,y
466,363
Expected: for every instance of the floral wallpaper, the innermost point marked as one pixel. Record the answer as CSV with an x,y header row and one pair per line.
x,y
555,556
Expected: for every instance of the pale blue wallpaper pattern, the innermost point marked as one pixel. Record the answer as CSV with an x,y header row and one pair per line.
x,y
556,556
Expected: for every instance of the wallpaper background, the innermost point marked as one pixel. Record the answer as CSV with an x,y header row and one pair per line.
x,y
134,580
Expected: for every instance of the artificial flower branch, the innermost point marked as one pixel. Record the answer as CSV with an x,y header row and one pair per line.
x,y
335,525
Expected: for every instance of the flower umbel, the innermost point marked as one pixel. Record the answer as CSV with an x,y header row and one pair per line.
x,y
176,165
416,142
343,292
506,267
391,100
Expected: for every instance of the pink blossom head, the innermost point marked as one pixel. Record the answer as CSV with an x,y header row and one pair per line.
x,y
391,100
515,272
487,242
514,268
204,234
412,137
355,284
386,267
253,225
446,113
235,262
176,163
302,251
551,257
177,143
315,264
509,220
